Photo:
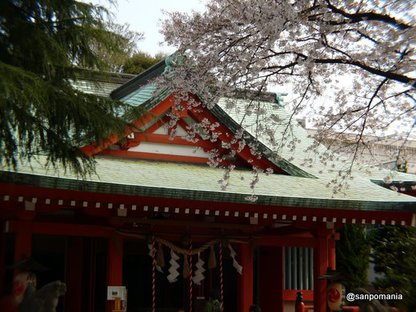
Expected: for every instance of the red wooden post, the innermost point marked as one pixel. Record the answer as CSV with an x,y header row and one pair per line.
x,y
74,274
271,279
245,281
115,261
320,268
2,258
280,278
114,265
332,254
23,243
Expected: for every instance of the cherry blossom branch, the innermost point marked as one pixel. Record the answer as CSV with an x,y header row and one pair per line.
x,y
367,16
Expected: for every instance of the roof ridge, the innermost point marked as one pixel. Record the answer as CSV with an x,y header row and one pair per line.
x,y
138,81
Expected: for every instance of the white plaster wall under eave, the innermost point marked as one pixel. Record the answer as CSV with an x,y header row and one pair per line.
x,y
169,149
164,130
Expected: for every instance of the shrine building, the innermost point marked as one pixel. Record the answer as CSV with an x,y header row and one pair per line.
x,y
165,217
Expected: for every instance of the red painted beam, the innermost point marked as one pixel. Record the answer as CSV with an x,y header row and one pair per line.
x,y
290,294
155,156
289,214
64,229
167,139
141,122
285,241
149,136
225,135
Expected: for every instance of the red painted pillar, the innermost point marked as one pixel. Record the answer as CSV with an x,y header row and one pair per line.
x,y
332,253
23,243
74,273
114,264
270,279
2,259
320,268
245,281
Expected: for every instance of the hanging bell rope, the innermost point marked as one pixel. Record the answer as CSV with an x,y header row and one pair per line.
x,y
185,272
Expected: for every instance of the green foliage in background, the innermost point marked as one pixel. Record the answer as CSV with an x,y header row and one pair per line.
x,y
353,256
394,257
141,61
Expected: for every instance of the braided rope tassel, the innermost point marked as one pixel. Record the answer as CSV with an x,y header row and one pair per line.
x,y
190,276
154,264
221,279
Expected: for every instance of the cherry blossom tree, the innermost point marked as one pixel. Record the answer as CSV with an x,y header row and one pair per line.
x,y
360,53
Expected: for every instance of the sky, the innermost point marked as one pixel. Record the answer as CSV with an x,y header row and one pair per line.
x,y
146,17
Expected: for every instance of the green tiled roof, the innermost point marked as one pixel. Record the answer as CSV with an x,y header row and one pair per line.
x,y
299,158
141,95
98,88
196,182
101,84
234,119
305,186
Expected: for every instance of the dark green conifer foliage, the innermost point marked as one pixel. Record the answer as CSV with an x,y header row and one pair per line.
x,y
394,257
353,256
42,43
141,61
